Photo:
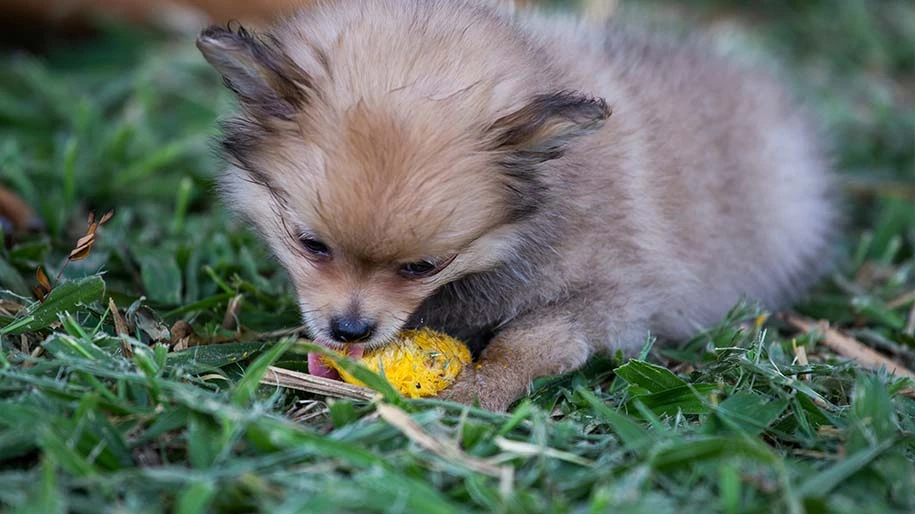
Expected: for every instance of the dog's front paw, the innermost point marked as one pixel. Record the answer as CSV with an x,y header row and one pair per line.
x,y
464,389
475,386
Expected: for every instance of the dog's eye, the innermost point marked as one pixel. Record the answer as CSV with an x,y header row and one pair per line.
x,y
420,269
314,247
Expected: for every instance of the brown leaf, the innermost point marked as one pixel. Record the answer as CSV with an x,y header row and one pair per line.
x,y
43,279
84,244
38,293
181,334
14,208
10,308
79,253
83,247
120,328
146,321
108,215
87,239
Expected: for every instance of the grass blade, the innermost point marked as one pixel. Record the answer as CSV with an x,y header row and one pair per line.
x,y
65,297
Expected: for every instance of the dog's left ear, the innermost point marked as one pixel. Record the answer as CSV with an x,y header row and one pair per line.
x,y
266,80
539,131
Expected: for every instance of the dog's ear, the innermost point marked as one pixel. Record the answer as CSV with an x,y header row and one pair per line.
x,y
255,67
539,131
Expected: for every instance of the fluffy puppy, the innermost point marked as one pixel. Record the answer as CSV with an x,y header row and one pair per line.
x,y
542,188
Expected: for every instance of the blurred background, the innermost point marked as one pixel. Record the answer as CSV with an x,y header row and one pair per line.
x,y
106,104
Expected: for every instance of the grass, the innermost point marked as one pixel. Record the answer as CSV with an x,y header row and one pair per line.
x,y
93,420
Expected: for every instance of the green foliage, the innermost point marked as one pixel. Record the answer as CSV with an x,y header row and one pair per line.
x,y
92,420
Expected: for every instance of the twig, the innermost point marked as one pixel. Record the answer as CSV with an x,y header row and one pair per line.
x,y
886,346
800,354
318,385
847,346
450,452
306,410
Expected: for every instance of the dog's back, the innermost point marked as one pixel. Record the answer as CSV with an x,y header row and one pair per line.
x,y
707,171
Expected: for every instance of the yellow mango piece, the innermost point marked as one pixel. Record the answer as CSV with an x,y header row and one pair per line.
x,y
420,363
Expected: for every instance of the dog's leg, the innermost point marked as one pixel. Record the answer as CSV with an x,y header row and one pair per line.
x,y
528,348
544,342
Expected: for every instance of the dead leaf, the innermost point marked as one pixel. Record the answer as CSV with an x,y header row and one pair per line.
x,y
107,216
38,293
848,346
42,278
84,244
120,328
15,209
230,320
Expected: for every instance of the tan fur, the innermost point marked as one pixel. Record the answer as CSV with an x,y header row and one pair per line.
x,y
398,130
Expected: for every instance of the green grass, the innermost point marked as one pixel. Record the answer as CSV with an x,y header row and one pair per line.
x,y
123,122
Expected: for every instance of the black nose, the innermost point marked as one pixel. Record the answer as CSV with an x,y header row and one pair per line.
x,y
350,329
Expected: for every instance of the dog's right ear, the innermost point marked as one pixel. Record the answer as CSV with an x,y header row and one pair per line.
x,y
539,131
255,67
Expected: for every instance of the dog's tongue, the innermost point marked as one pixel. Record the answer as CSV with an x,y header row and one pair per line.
x,y
317,367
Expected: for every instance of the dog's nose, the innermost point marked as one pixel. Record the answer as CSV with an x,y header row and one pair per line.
x,y
351,329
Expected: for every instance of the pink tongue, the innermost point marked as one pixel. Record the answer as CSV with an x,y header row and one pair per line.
x,y
317,367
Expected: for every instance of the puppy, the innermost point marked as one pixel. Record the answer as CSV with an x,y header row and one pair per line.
x,y
539,187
